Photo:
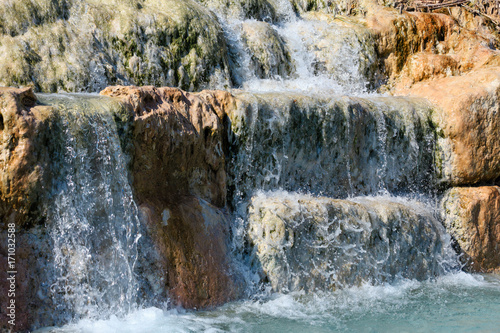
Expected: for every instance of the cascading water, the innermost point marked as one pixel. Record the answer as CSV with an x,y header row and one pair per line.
x,y
308,243
331,224
286,53
93,222
334,146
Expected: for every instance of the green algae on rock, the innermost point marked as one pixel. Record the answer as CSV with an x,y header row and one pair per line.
x,y
269,54
331,145
92,44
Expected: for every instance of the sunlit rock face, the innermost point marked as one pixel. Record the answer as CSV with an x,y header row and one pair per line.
x,y
455,67
24,128
316,243
468,124
413,47
472,217
25,169
86,45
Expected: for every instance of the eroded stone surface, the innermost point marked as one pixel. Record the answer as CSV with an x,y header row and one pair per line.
x,y
306,243
472,216
179,180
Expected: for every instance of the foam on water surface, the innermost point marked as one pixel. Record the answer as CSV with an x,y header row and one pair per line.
x,y
458,302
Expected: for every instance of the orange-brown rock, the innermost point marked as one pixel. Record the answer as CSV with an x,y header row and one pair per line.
x,y
23,130
451,61
468,122
418,46
425,65
24,172
179,181
472,217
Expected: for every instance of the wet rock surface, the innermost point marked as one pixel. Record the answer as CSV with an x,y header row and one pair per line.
x,y
306,243
179,180
472,217
24,174
336,146
79,46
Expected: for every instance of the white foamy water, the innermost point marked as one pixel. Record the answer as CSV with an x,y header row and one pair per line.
x,y
458,302
324,56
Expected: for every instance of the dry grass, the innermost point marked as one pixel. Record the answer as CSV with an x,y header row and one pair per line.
x,y
489,9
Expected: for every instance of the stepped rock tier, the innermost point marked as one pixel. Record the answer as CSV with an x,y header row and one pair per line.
x,y
328,151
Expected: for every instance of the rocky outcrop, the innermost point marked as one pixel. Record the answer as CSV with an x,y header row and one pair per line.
x,y
25,172
453,64
24,128
86,45
417,46
306,243
269,57
335,146
177,142
452,61
468,124
179,181
472,216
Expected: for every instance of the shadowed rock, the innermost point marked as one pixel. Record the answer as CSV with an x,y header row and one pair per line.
x,y
179,180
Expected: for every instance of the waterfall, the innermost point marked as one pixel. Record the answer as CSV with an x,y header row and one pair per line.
x,y
288,53
295,156
308,124
305,243
331,187
334,146
92,218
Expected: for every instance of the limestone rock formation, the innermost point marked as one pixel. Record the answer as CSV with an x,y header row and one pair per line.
x,y
335,146
177,143
25,173
467,118
270,57
455,66
24,128
417,46
179,180
306,243
86,45
472,216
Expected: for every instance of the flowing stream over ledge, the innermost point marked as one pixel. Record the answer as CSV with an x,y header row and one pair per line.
x,y
335,224
93,222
